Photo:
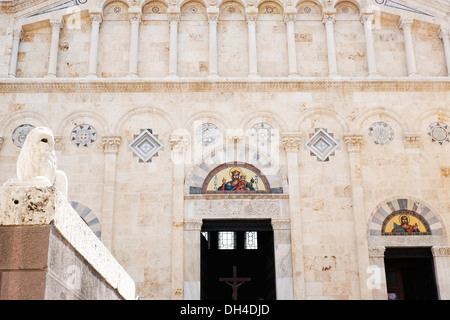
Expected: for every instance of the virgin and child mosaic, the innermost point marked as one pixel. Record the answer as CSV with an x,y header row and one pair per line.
x,y
405,223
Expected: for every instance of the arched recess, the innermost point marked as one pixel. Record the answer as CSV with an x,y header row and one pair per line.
x,y
88,216
378,224
381,238
244,155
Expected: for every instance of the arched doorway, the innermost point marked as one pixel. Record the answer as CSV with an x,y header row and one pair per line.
x,y
404,234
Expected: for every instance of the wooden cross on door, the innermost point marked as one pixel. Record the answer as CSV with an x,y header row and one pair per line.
x,y
234,282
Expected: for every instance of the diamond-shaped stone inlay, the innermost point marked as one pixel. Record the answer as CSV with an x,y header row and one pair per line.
x,y
322,144
145,145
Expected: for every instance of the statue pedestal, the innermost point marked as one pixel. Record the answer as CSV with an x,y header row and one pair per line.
x,y
48,252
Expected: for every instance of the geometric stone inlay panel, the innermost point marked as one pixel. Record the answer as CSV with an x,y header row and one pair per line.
x,y
322,144
381,133
207,133
145,145
20,133
83,135
439,132
262,133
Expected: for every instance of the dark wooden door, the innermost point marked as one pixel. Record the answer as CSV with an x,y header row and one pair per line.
x,y
410,273
254,263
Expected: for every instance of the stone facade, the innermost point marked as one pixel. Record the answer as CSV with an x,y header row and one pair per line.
x,y
363,80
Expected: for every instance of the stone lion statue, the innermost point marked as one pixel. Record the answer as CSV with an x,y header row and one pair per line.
x,y
36,164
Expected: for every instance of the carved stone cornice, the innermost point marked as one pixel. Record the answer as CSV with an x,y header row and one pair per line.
x,y
111,144
102,85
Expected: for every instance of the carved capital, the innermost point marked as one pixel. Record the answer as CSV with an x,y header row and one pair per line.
x,y
1,142
444,33
193,225
367,18
281,224
111,144
96,17
440,251
291,141
353,141
179,142
57,23
58,143
173,17
412,140
251,18
329,17
213,17
18,34
135,17
289,17
405,24
376,252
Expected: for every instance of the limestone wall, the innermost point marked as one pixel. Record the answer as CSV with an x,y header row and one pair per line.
x,y
135,208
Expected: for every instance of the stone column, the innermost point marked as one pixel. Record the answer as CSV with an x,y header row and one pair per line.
x,y
57,25
366,20
213,16
292,143
17,37
444,35
192,262
289,19
252,53
96,20
377,272
178,144
110,148
409,46
174,18
441,257
328,20
353,142
135,19
283,258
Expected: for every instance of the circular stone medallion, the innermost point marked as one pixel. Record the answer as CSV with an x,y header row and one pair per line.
x,y
83,135
20,133
207,133
381,133
439,132
262,133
